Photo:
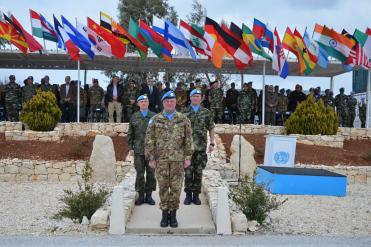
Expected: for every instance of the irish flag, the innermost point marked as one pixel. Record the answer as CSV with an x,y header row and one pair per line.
x,y
336,45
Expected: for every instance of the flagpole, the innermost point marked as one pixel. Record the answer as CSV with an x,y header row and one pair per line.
x,y
263,99
78,91
368,100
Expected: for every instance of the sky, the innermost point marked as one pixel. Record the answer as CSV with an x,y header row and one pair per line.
x,y
338,14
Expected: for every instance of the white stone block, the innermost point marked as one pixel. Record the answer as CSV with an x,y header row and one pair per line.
x,y
223,220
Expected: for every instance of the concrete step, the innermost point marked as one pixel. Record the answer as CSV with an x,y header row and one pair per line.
x,y
192,219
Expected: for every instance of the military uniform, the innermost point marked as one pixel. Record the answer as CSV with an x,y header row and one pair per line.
x,y
246,103
362,114
181,99
341,109
351,109
282,107
201,122
136,136
28,91
216,99
96,95
130,93
169,143
328,100
12,100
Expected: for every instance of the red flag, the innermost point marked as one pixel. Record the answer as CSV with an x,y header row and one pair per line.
x,y
117,47
8,32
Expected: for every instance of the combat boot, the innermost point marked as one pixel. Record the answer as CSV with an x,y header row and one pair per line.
x,y
149,199
140,199
188,198
196,199
165,219
173,221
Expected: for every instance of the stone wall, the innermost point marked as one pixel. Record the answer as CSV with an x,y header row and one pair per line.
x,y
16,170
28,135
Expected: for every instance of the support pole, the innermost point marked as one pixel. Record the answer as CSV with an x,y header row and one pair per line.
x,y
368,100
78,91
332,83
263,99
85,76
242,80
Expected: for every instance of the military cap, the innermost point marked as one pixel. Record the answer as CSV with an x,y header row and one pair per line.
x,y
11,77
168,95
142,97
195,91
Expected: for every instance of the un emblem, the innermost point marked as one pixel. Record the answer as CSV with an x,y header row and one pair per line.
x,y
281,158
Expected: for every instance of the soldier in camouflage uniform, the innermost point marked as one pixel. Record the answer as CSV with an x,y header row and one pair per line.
x,y
28,90
351,109
282,106
144,185
169,147
328,99
2,102
362,107
341,108
96,96
201,122
246,102
131,93
216,101
181,97
12,99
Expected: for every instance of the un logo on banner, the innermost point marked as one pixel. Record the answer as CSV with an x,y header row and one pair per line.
x,y
281,158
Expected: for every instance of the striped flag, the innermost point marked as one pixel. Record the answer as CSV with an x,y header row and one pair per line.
x,y
41,27
195,37
65,42
279,62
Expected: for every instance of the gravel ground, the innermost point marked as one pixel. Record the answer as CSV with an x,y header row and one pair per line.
x,y
27,208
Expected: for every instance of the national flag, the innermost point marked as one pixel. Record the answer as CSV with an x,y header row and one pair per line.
x,y
77,38
107,22
41,27
166,46
255,46
9,33
336,45
289,43
368,31
195,35
48,30
117,47
232,45
263,34
100,46
145,38
279,62
316,50
33,45
364,40
36,24
237,33
357,56
310,60
174,36
65,42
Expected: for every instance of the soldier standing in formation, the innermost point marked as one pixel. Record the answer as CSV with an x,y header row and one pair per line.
x,y
201,122
131,93
181,97
341,107
246,103
328,99
96,96
12,99
145,181
282,106
28,90
362,112
169,147
216,98
231,101
351,107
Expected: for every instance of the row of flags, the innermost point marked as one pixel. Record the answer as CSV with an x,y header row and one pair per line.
x,y
213,40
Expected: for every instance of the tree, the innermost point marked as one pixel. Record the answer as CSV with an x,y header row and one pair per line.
x,y
198,14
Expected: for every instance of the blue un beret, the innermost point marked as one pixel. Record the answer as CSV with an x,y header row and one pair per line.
x,y
195,91
168,95
142,97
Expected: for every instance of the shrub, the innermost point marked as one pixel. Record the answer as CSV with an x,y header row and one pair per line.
x,y
41,113
253,200
83,202
312,118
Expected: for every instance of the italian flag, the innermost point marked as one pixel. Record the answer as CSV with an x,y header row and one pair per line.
x,y
37,29
364,40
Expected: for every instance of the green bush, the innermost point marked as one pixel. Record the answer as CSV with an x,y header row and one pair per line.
x,y
83,202
253,200
312,118
41,113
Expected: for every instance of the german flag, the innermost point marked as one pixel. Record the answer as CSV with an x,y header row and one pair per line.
x,y
9,33
230,43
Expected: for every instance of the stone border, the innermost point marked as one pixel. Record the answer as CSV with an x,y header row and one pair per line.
x,y
16,170
29,135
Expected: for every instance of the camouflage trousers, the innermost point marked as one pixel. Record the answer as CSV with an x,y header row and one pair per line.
x,y
129,110
342,117
245,116
351,117
217,114
145,180
170,175
12,112
193,174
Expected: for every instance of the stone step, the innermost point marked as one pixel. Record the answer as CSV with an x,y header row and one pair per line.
x,y
192,219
